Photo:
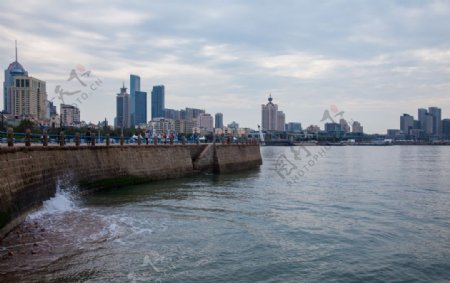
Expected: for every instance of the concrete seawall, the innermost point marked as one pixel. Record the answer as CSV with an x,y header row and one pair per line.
x,y
29,176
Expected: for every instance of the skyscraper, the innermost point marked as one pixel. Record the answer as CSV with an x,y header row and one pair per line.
x,y
70,115
269,113
206,122
357,128
14,69
406,123
140,114
281,120
122,109
446,127
219,121
193,113
135,85
436,113
29,98
158,94
421,115
272,119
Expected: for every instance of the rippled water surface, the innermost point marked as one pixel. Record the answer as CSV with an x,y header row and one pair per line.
x,y
352,214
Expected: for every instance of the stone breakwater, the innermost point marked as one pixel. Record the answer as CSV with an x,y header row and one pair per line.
x,y
29,175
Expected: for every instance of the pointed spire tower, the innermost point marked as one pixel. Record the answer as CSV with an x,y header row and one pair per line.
x,y
16,50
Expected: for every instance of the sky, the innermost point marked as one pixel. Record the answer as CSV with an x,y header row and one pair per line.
x,y
374,60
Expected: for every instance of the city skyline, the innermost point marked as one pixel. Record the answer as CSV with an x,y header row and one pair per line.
x,y
371,60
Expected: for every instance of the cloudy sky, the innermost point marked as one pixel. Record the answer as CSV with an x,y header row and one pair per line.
x,y
374,60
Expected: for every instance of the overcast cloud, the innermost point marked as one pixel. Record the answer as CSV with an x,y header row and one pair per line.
x,y
372,59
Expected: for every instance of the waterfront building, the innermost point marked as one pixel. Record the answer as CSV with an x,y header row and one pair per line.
x,y
183,114
55,121
436,113
172,114
344,125
281,121
332,127
135,85
313,129
189,126
206,122
219,121
193,113
269,115
140,113
29,98
393,133
162,126
233,125
446,128
14,69
406,123
179,126
70,116
421,115
123,119
51,109
357,128
294,127
158,98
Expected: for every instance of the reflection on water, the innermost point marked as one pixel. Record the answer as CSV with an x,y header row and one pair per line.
x,y
359,214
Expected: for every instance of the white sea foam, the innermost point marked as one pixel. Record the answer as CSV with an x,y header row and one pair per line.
x,y
60,203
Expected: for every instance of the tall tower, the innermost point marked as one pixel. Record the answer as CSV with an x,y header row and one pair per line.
x,y
29,97
122,109
158,94
219,121
14,69
436,113
135,85
140,113
269,115
422,116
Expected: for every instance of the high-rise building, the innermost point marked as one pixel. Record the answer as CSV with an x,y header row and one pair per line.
x,y
163,126
206,122
219,121
193,113
428,124
70,115
140,113
332,128
269,115
406,123
172,114
344,125
51,109
357,128
189,126
14,69
436,113
29,98
135,85
281,121
233,125
446,127
421,115
158,94
123,119
294,127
